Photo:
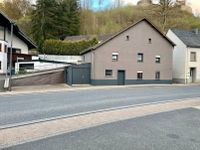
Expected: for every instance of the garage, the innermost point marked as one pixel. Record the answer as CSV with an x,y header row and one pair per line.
x,y
78,74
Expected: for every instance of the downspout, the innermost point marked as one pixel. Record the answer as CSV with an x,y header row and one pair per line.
x,y
93,66
186,66
4,35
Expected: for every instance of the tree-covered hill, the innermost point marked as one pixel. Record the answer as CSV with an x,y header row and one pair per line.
x,y
113,20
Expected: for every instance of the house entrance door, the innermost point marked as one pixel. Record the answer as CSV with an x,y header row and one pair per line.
x,y
121,77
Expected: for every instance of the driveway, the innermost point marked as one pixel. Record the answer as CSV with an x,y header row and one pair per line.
x,y
17,109
175,130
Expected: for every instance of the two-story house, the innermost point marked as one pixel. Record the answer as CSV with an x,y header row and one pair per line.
x,y
139,54
21,43
186,55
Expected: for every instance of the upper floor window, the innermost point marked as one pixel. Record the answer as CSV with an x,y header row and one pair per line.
x,y
140,57
157,59
0,65
108,72
0,47
115,56
193,56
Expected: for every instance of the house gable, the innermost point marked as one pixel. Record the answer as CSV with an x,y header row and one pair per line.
x,y
127,29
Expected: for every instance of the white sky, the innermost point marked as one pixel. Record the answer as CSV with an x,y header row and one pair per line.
x,y
195,4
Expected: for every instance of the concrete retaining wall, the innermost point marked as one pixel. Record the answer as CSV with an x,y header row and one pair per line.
x,y
42,78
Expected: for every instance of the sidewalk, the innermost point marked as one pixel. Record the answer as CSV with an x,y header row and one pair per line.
x,y
65,87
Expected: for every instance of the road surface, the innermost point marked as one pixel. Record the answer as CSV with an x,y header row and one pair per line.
x,y
175,130
22,108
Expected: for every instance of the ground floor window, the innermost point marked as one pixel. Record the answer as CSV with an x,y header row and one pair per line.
x,y
139,75
157,75
0,65
108,72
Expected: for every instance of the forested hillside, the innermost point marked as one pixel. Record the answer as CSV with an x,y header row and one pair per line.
x,y
113,20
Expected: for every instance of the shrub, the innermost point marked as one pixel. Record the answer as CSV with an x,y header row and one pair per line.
x,y
58,47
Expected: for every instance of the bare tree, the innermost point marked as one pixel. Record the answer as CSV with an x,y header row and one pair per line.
x,y
163,10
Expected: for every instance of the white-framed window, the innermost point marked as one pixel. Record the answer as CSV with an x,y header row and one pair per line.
x,y
140,57
0,47
193,57
0,65
157,59
139,75
115,56
108,72
157,75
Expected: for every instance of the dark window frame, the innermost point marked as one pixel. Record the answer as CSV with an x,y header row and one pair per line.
x,y
139,75
195,57
157,59
108,72
140,57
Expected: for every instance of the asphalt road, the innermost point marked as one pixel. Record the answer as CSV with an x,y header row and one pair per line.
x,y
176,130
29,107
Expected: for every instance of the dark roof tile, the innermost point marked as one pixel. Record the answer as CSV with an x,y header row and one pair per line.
x,y
190,38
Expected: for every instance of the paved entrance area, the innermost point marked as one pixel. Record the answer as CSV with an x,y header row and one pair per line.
x,y
175,130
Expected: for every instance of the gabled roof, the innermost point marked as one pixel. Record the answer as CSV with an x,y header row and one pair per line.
x,y
191,38
6,22
119,33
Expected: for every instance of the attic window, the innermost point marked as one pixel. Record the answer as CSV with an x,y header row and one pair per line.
x,y
150,40
127,37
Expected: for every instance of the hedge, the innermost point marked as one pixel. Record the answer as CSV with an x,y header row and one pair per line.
x,y
58,47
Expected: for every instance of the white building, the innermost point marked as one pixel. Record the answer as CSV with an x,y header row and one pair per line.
x,y
186,55
21,43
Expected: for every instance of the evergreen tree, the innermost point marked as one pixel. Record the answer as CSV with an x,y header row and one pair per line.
x,y
44,21
55,19
68,18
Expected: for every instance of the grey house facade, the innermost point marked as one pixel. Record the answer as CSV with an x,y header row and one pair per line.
x,y
139,54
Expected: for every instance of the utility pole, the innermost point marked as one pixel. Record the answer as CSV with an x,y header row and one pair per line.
x,y
11,46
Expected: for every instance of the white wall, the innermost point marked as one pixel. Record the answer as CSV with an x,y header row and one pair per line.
x,y
87,58
40,66
17,43
62,58
179,57
194,64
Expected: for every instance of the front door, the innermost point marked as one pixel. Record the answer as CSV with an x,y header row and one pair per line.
x,y
121,77
192,75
